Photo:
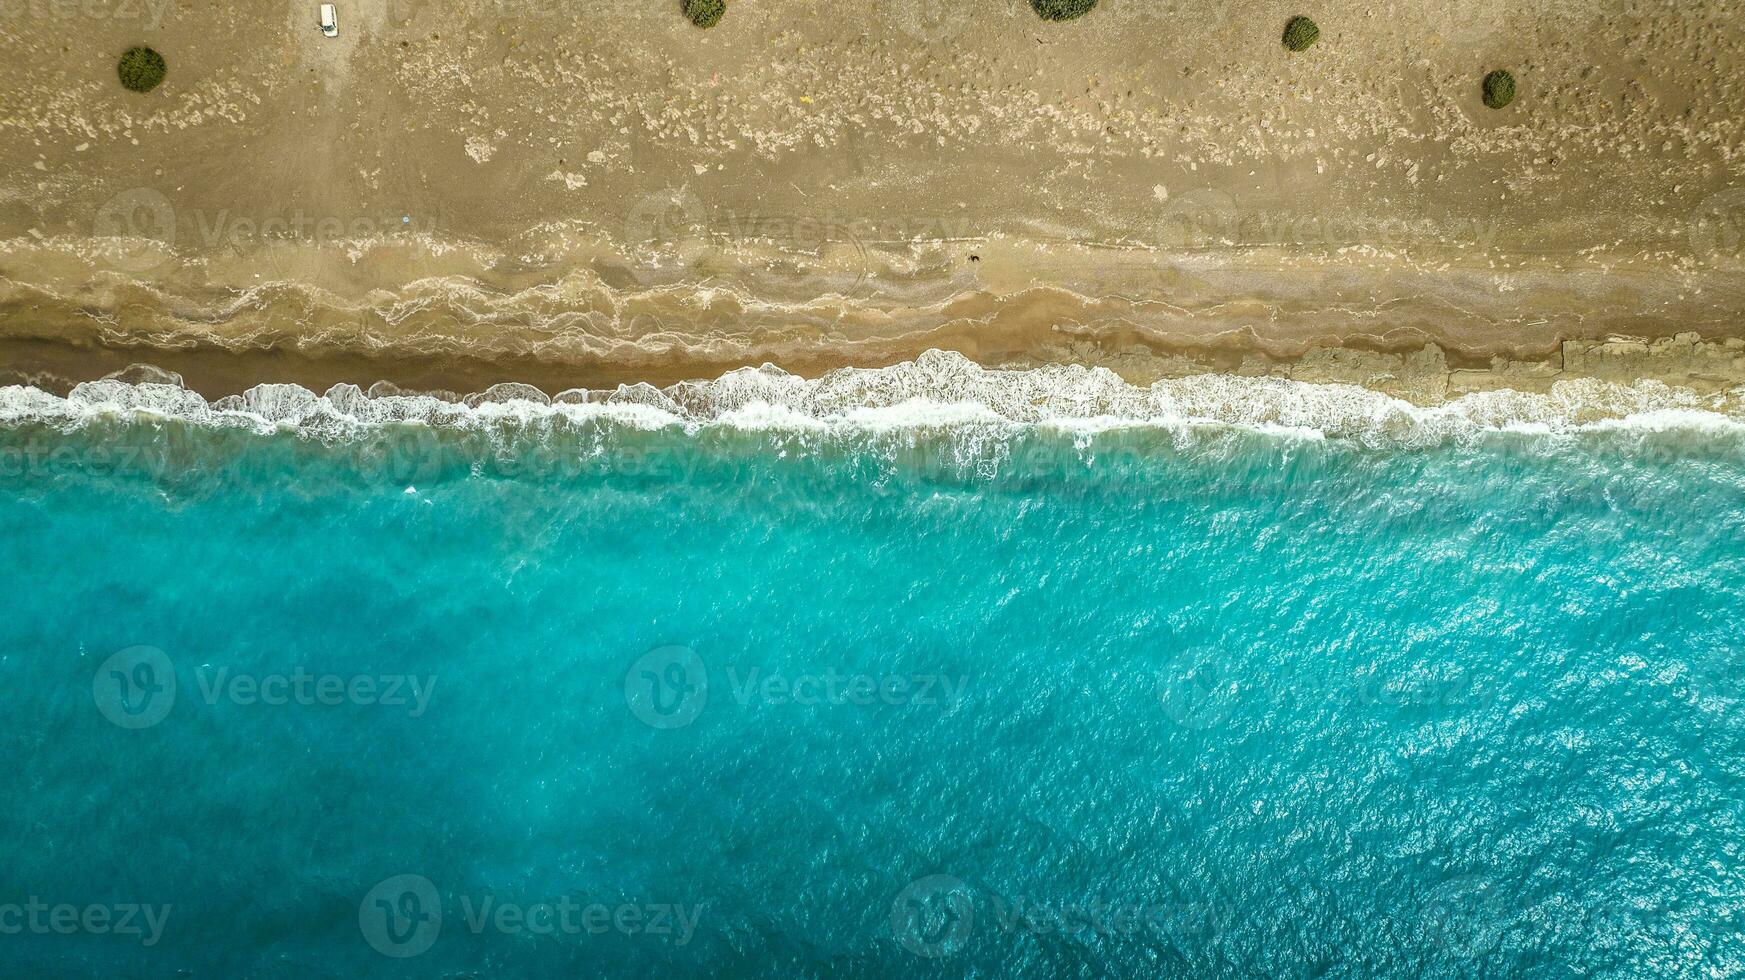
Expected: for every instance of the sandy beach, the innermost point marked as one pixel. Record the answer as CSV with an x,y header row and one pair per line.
x,y
448,196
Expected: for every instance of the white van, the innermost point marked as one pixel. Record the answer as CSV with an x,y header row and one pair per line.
x,y
329,20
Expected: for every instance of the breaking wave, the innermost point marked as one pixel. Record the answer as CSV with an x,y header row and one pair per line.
x,y
938,391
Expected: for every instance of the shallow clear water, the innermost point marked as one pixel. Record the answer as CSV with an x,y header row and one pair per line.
x,y
1158,702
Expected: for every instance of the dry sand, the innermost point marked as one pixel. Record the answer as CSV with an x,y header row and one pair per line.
x,y
579,192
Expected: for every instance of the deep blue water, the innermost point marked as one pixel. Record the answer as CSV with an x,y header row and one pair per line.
x,y
1145,703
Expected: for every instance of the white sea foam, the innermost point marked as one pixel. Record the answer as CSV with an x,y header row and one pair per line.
x,y
938,391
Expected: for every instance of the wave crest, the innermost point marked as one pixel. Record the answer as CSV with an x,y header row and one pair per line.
x,y
938,390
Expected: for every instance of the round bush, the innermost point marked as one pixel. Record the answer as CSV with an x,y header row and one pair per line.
x,y
1499,89
705,13
1062,9
141,69
1300,32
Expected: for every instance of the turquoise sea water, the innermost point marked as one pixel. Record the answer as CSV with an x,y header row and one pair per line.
x,y
953,700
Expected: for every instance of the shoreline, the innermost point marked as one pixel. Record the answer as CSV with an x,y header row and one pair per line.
x,y
1425,378
976,416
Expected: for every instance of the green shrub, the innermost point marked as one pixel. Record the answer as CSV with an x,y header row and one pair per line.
x,y
141,69
705,13
1300,32
1499,89
1062,9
